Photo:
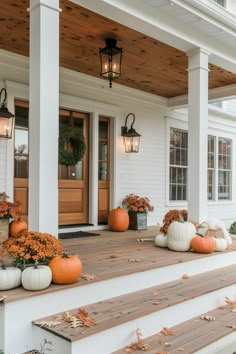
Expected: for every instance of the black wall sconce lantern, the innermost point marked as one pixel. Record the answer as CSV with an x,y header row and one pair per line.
x,y
110,58
6,117
131,137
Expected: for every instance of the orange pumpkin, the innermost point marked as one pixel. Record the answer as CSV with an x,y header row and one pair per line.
x,y
118,220
16,227
204,244
66,269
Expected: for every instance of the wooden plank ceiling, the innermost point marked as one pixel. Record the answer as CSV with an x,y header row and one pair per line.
x,y
148,64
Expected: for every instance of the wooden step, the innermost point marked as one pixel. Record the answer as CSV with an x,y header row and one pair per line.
x,y
151,309
195,335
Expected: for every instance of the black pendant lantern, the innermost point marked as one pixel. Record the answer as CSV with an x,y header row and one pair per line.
x,y
6,117
131,137
110,58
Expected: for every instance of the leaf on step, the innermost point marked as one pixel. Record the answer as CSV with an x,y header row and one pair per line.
x,y
166,331
135,260
185,276
145,239
167,344
138,345
229,302
87,321
156,303
155,293
233,327
88,276
208,318
161,353
2,297
66,316
47,323
75,323
180,349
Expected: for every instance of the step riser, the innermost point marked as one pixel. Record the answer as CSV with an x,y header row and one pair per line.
x,y
120,336
226,345
46,304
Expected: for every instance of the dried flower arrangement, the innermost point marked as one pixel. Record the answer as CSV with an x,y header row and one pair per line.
x,y
30,246
172,215
8,209
137,204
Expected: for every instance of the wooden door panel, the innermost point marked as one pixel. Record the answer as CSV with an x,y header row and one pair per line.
x,y
103,204
70,201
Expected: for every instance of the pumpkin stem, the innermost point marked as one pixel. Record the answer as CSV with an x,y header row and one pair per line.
x,y
36,265
198,234
3,266
181,219
65,255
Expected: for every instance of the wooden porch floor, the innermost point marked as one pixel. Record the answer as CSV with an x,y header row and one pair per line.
x,y
114,254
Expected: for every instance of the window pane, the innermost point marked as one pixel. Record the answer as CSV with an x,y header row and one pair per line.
x,y
103,168
224,185
178,164
21,153
103,130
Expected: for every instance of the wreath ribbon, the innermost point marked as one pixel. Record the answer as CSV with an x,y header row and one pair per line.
x,y
73,136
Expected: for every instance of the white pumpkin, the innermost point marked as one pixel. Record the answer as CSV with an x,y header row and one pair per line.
x,y
221,244
38,277
161,240
180,235
10,277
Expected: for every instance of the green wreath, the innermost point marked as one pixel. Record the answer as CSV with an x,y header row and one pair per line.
x,y
76,139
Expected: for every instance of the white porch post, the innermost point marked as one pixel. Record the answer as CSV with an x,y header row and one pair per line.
x,y
43,116
197,134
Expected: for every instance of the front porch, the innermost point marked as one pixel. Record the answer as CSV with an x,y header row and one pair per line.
x,y
123,269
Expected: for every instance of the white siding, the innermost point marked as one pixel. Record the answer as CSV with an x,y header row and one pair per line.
x,y
143,173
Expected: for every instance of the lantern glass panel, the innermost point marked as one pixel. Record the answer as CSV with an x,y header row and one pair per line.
x,y
6,125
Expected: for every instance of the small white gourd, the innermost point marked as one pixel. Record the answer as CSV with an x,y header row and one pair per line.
x,y
10,277
180,235
38,277
161,240
221,244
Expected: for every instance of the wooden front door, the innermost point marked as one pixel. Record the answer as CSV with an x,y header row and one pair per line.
x,y
73,180
103,169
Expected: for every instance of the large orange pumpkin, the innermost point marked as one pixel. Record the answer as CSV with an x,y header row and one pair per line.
x,y
118,220
16,227
204,244
66,269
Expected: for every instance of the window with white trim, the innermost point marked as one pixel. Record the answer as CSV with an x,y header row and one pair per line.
x,y
178,164
224,168
221,2
219,183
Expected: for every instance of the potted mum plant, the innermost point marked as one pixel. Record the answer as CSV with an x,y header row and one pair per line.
x,y
30,247
8,211
138,208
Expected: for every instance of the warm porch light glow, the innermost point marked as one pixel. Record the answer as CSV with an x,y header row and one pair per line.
x,y
110,58
6,117
131,137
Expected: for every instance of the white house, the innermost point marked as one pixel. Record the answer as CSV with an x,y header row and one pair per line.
x,y
187,150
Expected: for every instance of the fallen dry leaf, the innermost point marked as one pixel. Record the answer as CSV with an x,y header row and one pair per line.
x,y
180,349
2,297
47,323
88,276
161,353
113,256
166,331
82,315
155,293
167,344
233,327
145,239
185,276
135,260
156,303
229,302
138,345
208,318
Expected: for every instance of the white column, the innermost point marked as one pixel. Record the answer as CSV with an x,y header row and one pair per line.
x,y
197,134
44,116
